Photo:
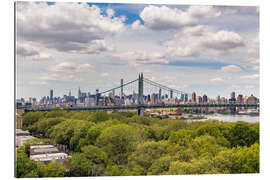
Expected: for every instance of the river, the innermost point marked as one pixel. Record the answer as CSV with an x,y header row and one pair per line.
x,y
233,118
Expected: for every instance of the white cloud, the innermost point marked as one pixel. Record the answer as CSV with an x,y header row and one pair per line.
x,y
32,52
250,77
203,11
105,74
239,9
56,77
110,12
163,18
256,67
143,57
231,68
67,27
136,25
250,87
38,82
69,67
236,86
199,40
217,79
253,60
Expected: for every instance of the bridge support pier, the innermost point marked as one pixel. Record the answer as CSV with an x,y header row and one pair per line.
x,y
140,111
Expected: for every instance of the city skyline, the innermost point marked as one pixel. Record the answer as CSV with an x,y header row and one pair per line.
x,y
211,50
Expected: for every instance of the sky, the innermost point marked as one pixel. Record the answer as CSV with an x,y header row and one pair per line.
x,y
211,50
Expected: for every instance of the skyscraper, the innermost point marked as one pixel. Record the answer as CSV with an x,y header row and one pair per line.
x,y
159,94
205,99
79,93
51,94
186,97
193,97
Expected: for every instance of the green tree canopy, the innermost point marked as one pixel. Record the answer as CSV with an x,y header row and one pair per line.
x,y
118,141
91,162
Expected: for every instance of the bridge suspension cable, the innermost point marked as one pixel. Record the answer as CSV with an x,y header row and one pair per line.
x,y
118,87
163,87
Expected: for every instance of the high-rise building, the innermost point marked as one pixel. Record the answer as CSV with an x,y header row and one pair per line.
x,y
218,99
232,99
51,94
97,97
69,93
205,99
171,94
232,95
186,98
153,98
199,99
252,99
193,97
240,98
159,94
79,93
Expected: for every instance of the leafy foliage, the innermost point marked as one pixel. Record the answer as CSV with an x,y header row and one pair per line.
x,y
123,144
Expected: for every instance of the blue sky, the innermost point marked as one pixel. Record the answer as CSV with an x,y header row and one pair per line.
x,y
211,50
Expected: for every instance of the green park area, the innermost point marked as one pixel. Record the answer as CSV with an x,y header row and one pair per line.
x,y
125,144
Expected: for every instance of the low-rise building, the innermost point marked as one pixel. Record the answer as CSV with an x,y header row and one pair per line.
x,y
47,153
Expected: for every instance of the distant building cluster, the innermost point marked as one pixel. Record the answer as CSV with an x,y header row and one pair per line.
x,y
84,99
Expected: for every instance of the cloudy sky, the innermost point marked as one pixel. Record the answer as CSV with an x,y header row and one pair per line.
x,y
211,50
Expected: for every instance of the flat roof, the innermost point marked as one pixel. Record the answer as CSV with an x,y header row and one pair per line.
x,y
42,147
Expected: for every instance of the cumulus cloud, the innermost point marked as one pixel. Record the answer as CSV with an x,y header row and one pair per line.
x,y
26,51
238,9
67,27
164,18
253,60
56,77
217,79
231,68
203,11
250,77
143,57
197,40
137,25
69,67
105,74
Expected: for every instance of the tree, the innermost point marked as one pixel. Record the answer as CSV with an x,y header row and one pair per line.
x,y
91,162
160,166
196,166
33,142
52,169
117,170
31,117
42,126
118,141
98,116
147,152
205,146
242,135
213,130
25,167
182,137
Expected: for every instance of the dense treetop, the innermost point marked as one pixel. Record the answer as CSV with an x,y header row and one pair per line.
x,y
122,143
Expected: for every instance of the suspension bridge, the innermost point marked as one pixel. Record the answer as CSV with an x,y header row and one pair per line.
x,y
141,94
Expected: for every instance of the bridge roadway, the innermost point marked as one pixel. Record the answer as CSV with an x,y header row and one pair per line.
x,y
152,106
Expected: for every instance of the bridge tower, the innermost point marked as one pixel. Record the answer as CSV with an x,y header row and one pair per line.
x,y
140,97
